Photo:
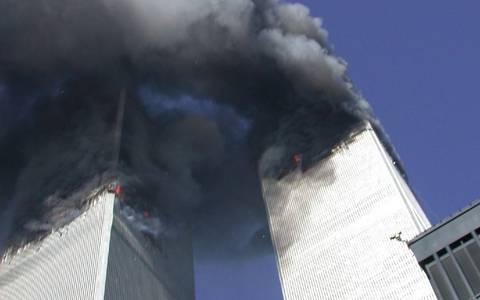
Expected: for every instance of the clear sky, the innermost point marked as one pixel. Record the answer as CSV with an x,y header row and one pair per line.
x,y
417,63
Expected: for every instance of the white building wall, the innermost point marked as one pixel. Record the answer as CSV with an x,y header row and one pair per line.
x,y
67,264
100,256
332,225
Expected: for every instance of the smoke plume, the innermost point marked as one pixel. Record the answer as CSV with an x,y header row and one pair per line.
x,y
210,87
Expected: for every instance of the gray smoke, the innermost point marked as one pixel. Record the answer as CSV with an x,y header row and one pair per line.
x,y
210,85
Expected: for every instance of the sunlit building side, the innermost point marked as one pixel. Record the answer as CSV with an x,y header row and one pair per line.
x,y
100,256
340,228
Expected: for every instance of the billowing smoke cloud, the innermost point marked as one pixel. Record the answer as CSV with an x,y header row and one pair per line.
x,y
211,86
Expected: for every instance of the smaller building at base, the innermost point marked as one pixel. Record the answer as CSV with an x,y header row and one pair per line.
x,y
449,253
99,255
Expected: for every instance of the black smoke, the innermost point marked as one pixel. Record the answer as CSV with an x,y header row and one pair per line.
x,y
210,86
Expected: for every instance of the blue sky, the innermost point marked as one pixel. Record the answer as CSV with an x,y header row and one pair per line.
x,y
417,63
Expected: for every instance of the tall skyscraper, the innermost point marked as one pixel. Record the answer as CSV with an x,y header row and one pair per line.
x,y
339,229
100,256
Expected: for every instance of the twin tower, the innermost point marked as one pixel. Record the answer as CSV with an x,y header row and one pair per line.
x,y
339,231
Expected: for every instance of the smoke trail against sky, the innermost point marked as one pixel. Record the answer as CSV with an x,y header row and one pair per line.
x,y
210,86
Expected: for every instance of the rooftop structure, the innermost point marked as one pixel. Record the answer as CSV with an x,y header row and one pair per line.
x,y
449,253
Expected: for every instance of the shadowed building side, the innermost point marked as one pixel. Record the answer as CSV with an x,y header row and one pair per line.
x,y
339,228
147,268
100,256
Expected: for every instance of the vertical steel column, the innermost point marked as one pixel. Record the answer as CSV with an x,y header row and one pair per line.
x,y
457,265
475,236
432,281
445,276
470,258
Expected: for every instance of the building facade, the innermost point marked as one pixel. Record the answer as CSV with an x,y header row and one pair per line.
x,y
100,256
339,228
449,253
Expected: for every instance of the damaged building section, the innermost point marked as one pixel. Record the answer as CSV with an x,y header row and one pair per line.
x,y
100,255
333,224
